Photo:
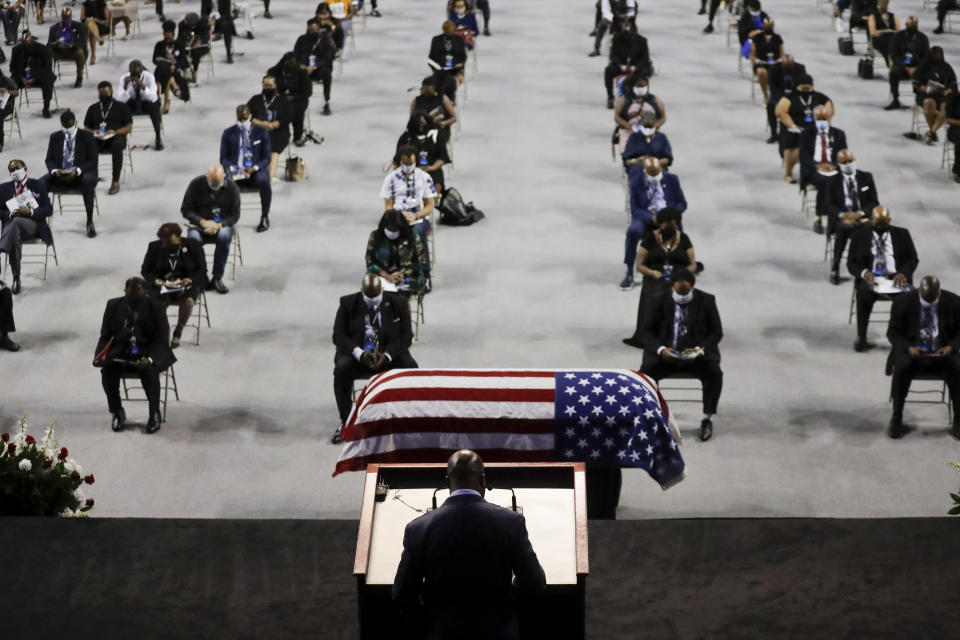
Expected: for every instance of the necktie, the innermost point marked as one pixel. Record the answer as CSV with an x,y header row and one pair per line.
x,y
68,152
852,191
19,188
245,141
926,318
824,158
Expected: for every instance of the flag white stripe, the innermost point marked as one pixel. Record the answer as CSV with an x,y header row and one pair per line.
x,y
452,441
455,409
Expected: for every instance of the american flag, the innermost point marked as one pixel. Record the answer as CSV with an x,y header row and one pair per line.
x,y
601,417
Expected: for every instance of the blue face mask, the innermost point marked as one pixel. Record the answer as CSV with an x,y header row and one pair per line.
x,y
823,125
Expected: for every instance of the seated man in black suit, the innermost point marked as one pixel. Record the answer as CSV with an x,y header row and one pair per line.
x,y
8,102
315,52
924,330
211,205
373,334
26,222
851,196
681,336
908,48
6,319
245,156
133,338
819,147
31,65
878,250
175,270
68,41
629,52
72,164
109,121
463,553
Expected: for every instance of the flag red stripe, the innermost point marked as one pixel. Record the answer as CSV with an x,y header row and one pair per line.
x,y
460,394
417,373
441,455
447,424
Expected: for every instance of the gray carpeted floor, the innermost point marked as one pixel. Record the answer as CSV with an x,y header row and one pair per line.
x,y
800,429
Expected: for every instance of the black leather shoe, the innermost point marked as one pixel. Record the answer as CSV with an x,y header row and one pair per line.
x,y
486,31
91,230
895,429
772,139
706,429
47,114
594,53
702,12
15,287
158,145
862,345
78,83
938,30
955,431
336,438
609,103
119,420
7,344
153,424
633,342
268,15
708,28
264,224
834,276
894,104
326,109
219,286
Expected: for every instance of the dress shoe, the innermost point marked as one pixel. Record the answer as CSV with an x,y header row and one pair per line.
x,y
16,286
119,420
706,429
609,103
326,109
249,35
593,34
938,30
633,341
818,226
862,345
7,344
894,104
895,429
158,145
627,283
218,285
772,139
594,53
47,114
708,28
114,188
834,276
376,14
264,224
486,31
268,15
91,230
955,430
337,438
177,334
153,424
78,83
956,177
932,138
702,12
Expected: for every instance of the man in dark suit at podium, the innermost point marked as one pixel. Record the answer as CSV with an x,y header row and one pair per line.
x,y
455,573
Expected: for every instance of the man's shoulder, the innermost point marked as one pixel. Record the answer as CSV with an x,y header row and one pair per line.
x,y
707,298
231,129
349,299
864,174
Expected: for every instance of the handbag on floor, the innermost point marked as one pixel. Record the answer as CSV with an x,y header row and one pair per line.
x,y
845,44
295,170
865,67
457,213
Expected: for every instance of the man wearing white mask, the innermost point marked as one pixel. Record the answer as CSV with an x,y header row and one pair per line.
x,y
211,206
650,191
411,191
72,164
138,89
646,142
25,220
851,196
682,337
245,156
372,333
819,147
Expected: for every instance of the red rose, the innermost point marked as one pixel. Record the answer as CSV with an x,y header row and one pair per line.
x,y
88,479
11,447
63,453
74,476
89,502
30,440
47,464
5,437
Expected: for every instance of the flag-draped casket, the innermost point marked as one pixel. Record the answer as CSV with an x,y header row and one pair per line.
x,y
604,417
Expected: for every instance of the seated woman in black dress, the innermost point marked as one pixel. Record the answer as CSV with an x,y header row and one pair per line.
x,y
175,269
661,251
394,253
431,155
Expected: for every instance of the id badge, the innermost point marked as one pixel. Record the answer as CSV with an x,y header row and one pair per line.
x,y
103,126
808,115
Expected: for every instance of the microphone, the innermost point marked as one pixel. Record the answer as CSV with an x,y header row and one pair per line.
x,y
513,498
434,499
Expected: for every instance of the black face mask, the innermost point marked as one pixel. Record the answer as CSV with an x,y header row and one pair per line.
x,y
269,93
105,100
133,300
313,36
668,233
911,30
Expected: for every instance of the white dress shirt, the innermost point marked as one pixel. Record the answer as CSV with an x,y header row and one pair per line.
x,y
408,192
148,94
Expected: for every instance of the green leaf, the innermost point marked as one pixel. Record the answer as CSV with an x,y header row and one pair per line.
x,y
956,498
954,511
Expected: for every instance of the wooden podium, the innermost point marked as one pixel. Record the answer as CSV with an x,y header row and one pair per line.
x,y
552,498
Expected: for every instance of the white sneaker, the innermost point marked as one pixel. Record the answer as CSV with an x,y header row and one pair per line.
x,y
840,25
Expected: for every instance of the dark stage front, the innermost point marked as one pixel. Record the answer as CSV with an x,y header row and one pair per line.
x,y
132,578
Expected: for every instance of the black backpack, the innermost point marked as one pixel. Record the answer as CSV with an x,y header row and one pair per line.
x,y
457,213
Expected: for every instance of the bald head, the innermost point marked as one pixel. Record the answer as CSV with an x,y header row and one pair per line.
x,y
929,288
821,113
880,218
912,23
465,471
215,176
651,166
844,156
371,286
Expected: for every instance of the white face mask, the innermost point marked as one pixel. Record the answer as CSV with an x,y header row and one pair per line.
x,y
461,11
648,131
407,168
754,13
641,91
822,125
682,299
18,175
654,179
215,187
373,302
72,131
849,169
391,235
244,124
